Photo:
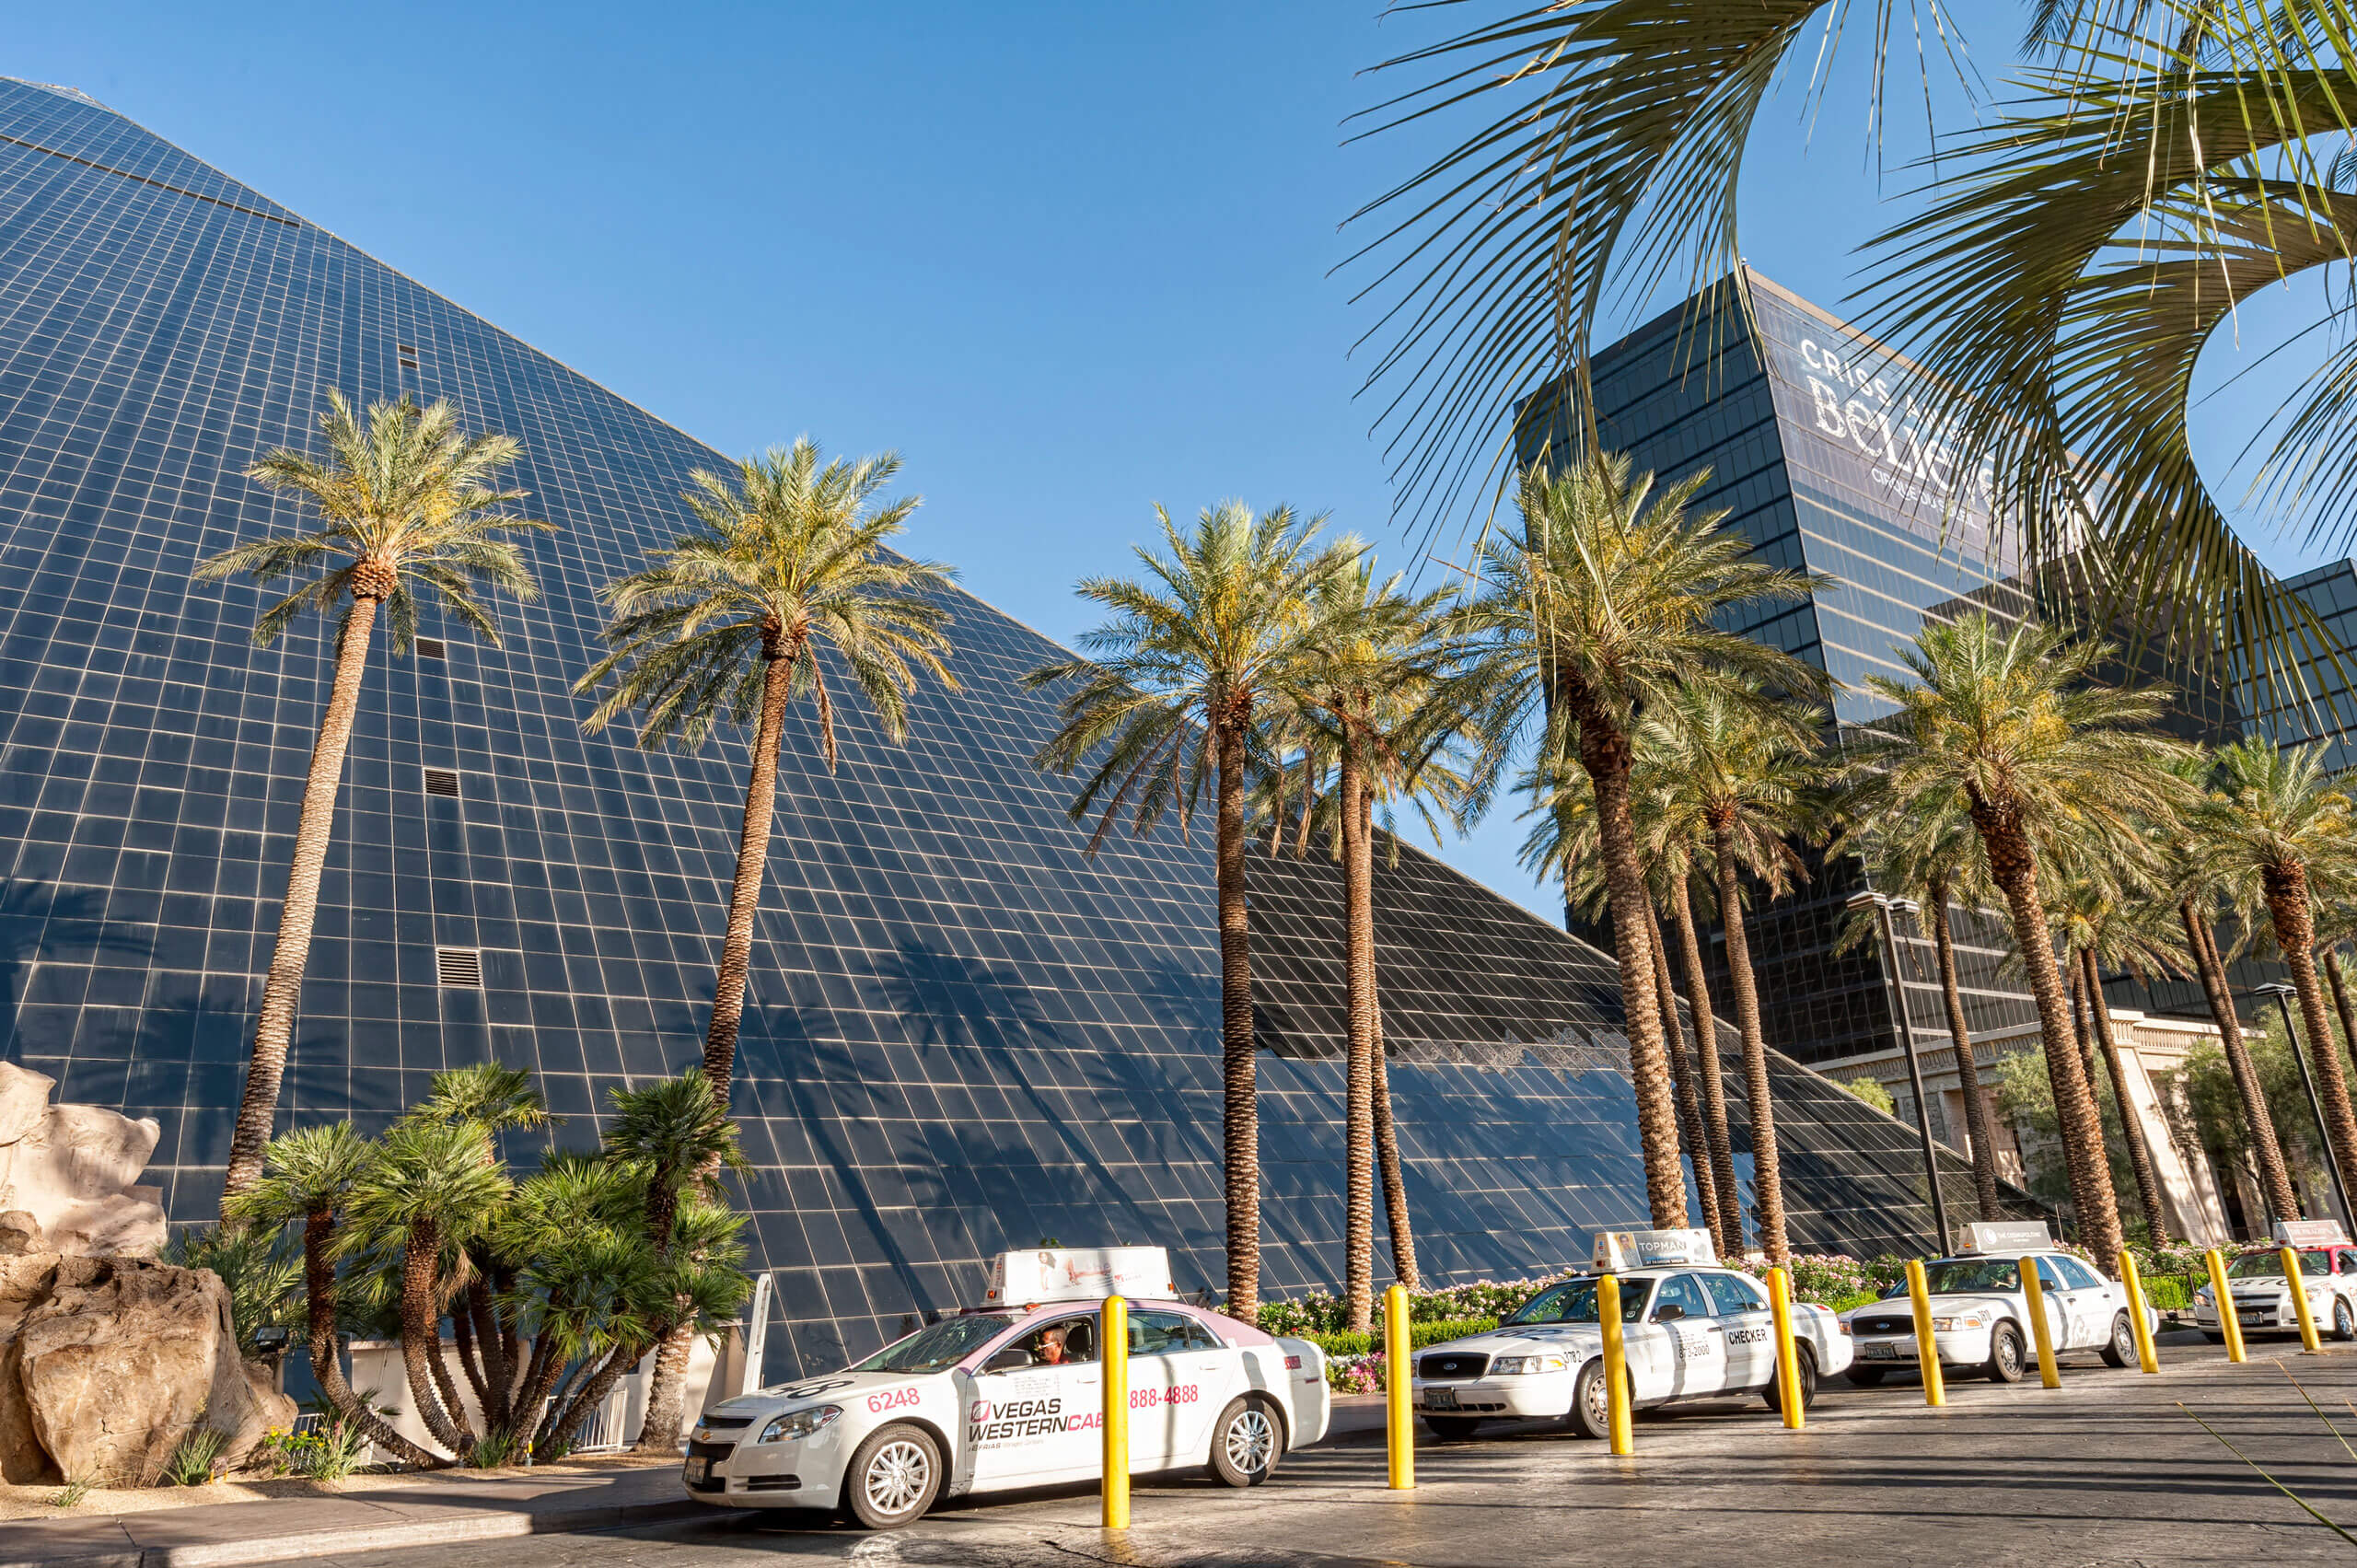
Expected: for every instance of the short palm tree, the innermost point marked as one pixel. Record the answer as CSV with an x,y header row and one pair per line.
x,y
409,507
1223,640
1604,603
1742,775
2008,727
2286,833
726,622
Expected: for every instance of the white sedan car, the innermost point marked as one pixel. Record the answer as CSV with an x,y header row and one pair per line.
x,y
2263,1304
997,1398
1689,1334
1980,1319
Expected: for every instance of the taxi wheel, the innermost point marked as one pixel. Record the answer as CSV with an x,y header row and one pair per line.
x,y
1591,1413
893,1478
1453,1428
2344,1320
1774,1392
1247,1442
2006,1358
2121,1349
1866,1377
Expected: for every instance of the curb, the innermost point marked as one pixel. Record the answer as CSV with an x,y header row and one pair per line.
x,y
470,1527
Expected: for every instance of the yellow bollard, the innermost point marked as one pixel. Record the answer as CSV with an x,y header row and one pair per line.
x,y
1114,1333
1927,1343
1788,1367
2034,1294
2297,1283
1399,1422
2146,1356
2230,1322
1616,1365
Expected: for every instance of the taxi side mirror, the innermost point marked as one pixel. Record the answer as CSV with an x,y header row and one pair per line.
x,y
1011,1360
1668,1312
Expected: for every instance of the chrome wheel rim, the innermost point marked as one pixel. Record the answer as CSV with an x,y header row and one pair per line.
x,y
2123,1338
897,1477
1250,1440
2342,1326
1599,1402
2009,1352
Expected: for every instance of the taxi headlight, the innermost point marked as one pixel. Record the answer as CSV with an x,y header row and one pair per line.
x,y
1517,1366
798,1423
1949,1324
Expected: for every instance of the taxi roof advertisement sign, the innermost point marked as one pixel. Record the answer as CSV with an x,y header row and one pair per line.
x,y
2309,1233
2007,1235
1620,1250
1080,1273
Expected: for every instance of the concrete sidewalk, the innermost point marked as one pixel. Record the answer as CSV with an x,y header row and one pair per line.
x,y
375,1514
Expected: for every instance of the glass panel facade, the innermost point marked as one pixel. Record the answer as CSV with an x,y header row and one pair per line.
x,y
963,1033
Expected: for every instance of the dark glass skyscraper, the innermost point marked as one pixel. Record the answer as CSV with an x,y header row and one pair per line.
x,y
964,1031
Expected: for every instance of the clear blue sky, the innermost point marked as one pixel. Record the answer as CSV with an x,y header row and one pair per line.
x,y
1071,260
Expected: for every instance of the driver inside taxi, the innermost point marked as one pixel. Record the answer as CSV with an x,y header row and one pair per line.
x,y
1062,1345
1051,1348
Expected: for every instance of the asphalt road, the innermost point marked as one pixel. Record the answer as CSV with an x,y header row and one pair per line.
x,y
2110,1469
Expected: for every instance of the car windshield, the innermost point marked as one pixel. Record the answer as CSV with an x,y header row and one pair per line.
x,y
1574,1301
2269,1265
1958,1275
937,1345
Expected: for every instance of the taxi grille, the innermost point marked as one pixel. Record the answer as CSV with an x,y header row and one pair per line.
x,y
1455,1367
715,1452
1882,1325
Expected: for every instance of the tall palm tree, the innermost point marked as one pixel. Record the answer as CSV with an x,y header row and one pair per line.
x,y
1936,860
409,507
2287,834
2008,726
727,623
1223,638
1601,604
1743,775
2198,896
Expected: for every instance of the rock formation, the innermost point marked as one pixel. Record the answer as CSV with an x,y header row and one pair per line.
x,y
107,1363
73,1169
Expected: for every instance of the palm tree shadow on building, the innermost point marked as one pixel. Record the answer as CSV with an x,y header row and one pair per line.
x,y
42,923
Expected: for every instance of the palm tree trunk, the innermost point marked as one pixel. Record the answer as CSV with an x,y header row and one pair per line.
x,y
1386,1141
429,1380
592,1391
1767,1173
282,992
319,1301
2273,1181
1358,974
1977,1120
1706,1053
2015,870
1605,753
1240,1109
2287,903
1681,1083
2332,965
666,1393
2083,1035
2131,1126
745,892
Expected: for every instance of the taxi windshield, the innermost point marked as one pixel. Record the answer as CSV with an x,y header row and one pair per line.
x,y
1956,1275
2269,1265
937,1345
1574,1301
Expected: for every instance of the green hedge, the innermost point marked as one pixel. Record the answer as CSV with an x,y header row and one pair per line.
x,y
1419,1336
2168,1292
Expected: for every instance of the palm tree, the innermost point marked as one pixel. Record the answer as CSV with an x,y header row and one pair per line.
x,y
727,623
1935,859
2283,831
1603,603
2009,727
308,1175
1224,637
1742,775
408,505
2198,901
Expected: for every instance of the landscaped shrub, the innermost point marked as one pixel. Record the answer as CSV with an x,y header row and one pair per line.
x,y
193,1462
1419,1336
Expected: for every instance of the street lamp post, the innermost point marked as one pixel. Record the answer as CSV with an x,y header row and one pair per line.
x,y
2283,994
1896,992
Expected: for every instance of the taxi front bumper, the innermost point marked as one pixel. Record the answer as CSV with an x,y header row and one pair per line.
x,y
2266,1312
1534,1396
731,1470
1957,1347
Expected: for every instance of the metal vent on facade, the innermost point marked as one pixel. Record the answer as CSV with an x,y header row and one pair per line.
x,y
407,356
441,780
432,647
458,965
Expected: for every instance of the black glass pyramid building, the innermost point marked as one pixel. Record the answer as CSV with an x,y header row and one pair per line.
x,y
964,1033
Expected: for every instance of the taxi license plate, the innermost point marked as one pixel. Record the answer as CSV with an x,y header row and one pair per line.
x,y
1440,1399
699,1471
1878,1353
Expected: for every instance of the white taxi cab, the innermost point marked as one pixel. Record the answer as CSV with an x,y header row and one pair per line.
x,y
1012,1395
2262,1295
1980,1318
1690,1330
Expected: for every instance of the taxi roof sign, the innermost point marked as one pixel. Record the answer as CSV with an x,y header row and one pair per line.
x,y
1080,1273
2007,1235
1620,1250
2310,1233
